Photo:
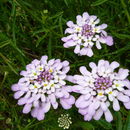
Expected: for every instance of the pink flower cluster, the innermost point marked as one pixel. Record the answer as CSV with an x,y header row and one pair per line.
x,y
42,84
85,34
99,88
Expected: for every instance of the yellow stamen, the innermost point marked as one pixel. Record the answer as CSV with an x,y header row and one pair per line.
x,y
35,86
96,29
45,85
52,85
78,29
40,68
110,92
35,74
51,70
117,85
100,94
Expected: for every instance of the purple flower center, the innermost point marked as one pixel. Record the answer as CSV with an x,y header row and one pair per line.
x,y
87,30
102,83
44,75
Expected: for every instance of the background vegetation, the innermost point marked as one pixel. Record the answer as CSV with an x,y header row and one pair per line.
x,y
32,28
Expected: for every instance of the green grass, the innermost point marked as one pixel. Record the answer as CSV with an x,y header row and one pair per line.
x,y
32,28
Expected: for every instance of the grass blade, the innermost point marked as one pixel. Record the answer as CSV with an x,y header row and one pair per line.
x,y
118,121
7,62
49,46
98,2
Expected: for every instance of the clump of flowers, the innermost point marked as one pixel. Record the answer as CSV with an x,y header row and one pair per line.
x,y
99,88
42,84
64,121
85,34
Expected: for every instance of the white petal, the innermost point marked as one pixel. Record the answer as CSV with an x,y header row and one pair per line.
x,y
87,117
70,24
123,98
127,105
89,52
97,104
83,70
55,105
116,105
52,98
18,94
77,49
123,73
43,98
126,92
46,107
36,103
85,15
98,114
44,59
98,45
77,88
69,30
83,51
27,108
104,106
83,111
92,65
91,110
78,77
114,65
87,96
108,116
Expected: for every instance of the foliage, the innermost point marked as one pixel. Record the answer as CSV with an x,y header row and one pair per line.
x,y
32,28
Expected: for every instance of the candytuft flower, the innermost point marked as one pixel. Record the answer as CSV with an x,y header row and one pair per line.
x,y
42,84
64,121
99,88
85,34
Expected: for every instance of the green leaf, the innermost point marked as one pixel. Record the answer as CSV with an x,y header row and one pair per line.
x,y
106,125
121,36
3,37
85,125
40,39
98,2
60,24
8,63
4,43
49,46
127,124
125,10
66,2
118,121
1,117
5,75
56,15
3,1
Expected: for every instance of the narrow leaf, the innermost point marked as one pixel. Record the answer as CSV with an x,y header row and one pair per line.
x,y
98,2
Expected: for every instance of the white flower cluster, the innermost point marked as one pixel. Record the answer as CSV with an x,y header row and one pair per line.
x,y
85,34
99,88
43,82
44,77
64,121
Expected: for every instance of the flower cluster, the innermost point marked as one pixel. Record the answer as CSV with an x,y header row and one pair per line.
x,y
64,121
85,34
99,88
42,84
